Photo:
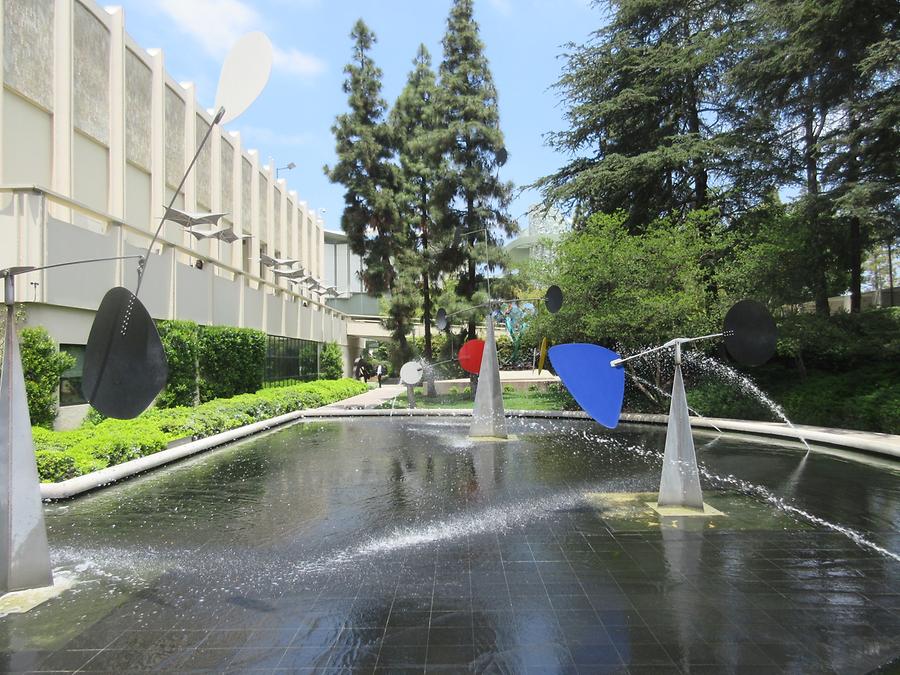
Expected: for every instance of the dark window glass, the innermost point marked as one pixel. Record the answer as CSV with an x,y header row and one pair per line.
x,y
290,360
70,380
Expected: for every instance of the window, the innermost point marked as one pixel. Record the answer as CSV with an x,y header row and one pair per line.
x,y
70,380
290,360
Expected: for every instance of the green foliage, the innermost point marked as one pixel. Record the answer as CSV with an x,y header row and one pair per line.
x,y
639,94
231,360
630,290
843,341
418,127
55,466
180,340
331,362
720,104
66,454
866,398
841,371
42,364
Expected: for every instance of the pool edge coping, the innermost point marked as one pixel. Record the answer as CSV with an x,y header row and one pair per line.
x,y
854,441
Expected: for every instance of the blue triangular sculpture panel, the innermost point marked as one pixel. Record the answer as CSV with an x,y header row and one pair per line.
x,y
598,387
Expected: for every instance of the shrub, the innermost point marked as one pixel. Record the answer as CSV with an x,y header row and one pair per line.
x,y
331,362
93,417
42,364
232,361
54,466
110,441
180,340
116,441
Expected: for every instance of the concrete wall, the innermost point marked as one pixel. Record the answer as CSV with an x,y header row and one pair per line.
x,y
89,113
96,123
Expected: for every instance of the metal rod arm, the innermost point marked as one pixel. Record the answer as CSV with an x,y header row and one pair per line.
x,y
165,216
671,343
83,262
469,309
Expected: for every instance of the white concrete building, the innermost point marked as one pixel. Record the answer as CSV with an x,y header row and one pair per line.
x,y
544,226
95,138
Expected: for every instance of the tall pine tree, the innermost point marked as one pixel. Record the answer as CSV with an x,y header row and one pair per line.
x,y
475,200
365,150
364,167
416,125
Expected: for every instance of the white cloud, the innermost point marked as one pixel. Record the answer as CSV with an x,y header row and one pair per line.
x,y
298,63
217,24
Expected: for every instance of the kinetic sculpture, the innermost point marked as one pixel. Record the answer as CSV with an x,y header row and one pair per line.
x,y
596,379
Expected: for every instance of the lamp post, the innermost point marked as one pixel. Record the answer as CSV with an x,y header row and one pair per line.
x,y
288,167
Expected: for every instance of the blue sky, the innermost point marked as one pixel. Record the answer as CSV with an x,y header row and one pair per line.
x,y
291,120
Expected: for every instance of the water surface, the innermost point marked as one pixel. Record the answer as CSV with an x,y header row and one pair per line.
x,y
393,544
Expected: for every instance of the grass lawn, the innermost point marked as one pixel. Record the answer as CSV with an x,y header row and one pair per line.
x,y
512,400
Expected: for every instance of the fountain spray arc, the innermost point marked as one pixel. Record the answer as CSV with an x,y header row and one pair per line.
x,y
595,377
128,369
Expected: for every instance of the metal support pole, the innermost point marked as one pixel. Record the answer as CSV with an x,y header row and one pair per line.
x,y
24,554
410,396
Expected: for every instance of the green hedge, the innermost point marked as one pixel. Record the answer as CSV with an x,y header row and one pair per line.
x,y
66,454
42,364
180,340
210,362
331,362
232,361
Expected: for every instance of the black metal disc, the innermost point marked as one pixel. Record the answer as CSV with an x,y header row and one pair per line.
x,y
750,333
553,298
441,319
124,361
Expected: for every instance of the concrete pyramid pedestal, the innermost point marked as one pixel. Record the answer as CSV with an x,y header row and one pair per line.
x,y
680,482
24,555
488,415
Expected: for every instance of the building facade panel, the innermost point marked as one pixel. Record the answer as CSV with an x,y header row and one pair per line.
x,y
156,289
194,291
90,79
27,142
138,110
70,285
226,302
28,49
203,167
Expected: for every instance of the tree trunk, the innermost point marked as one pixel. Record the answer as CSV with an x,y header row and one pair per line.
x,y
819,281
698,168
856,252
855,266
890,274
470,209
430,389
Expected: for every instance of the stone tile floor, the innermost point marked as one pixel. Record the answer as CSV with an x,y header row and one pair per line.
x,y
556,598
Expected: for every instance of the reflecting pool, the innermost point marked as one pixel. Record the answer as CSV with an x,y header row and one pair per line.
x,y
394,544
